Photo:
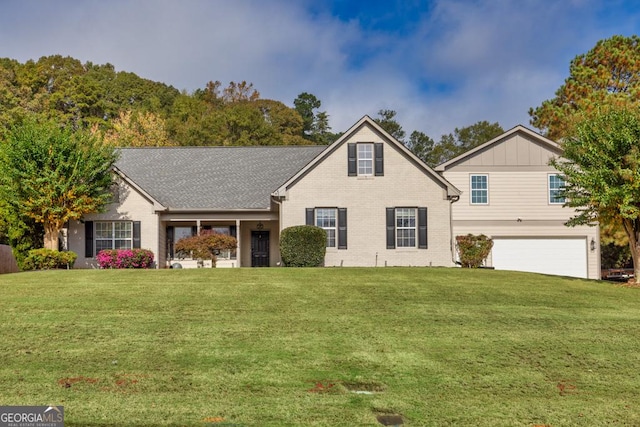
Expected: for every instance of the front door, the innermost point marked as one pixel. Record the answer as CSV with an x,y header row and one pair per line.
x,y
259,249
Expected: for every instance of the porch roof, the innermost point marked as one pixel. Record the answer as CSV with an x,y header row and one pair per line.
x,y
220,178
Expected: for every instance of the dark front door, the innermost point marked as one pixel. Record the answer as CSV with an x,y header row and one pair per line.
x,y
259,249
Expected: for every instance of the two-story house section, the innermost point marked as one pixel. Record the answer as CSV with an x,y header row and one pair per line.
x,y
511,194
379,203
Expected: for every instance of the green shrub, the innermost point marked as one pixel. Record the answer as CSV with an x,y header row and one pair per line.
x,y
48,259
473,250
303,246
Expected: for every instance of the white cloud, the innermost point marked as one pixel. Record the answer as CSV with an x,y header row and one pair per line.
x,y
494,58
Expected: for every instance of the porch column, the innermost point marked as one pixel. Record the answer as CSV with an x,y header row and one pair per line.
x,y
238,251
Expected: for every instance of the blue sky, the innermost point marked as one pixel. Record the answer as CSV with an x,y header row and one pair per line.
x,y
440,64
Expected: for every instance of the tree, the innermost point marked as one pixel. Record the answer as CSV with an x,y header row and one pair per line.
x,y
420,144
462,140
139,129
601,167
53,175
609,74
304,104
206,245
387,121
315,125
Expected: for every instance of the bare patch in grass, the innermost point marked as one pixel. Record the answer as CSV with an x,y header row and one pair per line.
x,y
390,419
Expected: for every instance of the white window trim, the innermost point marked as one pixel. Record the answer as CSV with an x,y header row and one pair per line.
x,y
370,160
334,228
471,189
113,237
549,189
414,228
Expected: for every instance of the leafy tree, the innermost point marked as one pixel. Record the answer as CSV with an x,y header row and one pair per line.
x,y
52,175
387,121
237,92
462,140
140,129
420,144
606,75
205,245
601,167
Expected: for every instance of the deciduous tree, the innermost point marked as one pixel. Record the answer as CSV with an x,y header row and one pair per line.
x,y
53,175
601,166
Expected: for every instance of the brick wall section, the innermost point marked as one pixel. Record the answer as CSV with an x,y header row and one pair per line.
x,y
7,260
404,184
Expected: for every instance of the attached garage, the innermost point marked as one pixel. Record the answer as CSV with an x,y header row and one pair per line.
x,y
559,256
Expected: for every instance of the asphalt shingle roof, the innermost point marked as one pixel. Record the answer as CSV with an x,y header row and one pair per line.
x,y
185,178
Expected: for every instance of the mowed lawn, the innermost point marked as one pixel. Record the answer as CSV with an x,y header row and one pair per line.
x,y
321,347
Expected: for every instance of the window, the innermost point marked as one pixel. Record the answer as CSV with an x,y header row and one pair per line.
x,y
113,235
479,189
326,219
331,220
405,228
556,186
365,159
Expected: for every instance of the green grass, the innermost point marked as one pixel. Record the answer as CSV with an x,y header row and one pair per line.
x,y
287,347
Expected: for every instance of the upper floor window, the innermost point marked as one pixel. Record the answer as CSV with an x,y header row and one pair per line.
x,y
365,159
556,186
479,185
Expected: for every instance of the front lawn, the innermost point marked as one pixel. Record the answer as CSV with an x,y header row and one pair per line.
x,y
321,347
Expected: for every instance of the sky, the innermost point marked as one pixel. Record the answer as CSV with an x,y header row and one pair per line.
x,y
440,64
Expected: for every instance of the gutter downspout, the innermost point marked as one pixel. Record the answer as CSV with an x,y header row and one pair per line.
x,y
452,200
278,201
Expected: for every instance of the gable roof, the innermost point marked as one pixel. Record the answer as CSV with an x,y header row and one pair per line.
x,y
368,121
552,145
212,178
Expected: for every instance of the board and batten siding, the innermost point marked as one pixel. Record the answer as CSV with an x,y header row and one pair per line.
x,y
404,184
133,206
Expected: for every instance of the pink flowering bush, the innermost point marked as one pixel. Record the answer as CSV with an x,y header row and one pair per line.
x,y
125,258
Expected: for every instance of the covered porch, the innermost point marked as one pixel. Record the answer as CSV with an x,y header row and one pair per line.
x,y
257,234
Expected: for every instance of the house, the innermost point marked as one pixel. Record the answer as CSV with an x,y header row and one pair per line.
x,y
379,204
511,194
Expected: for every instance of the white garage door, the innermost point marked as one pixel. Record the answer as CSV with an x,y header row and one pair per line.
x,y
565,257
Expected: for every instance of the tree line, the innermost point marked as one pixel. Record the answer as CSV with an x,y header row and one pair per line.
x,y
595,115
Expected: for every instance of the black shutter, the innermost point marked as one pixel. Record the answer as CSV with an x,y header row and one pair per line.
x,y
379,158
136,234
391,228
310,217
233,231
342,228
352,153
88,239
194,230
170,236
422,228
